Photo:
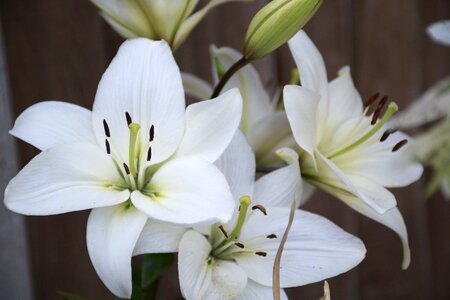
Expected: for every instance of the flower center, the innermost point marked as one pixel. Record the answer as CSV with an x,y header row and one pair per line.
x,y
133,169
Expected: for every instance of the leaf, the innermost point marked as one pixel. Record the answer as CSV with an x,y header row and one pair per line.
x,y
154,266
69,296
137,293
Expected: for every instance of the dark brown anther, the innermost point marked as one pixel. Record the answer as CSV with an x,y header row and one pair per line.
x,y
239,245
128,117
106,128
272,236
108,148
149,154
223,231
385,135
371,99
127,170
261,208
260,253
399,145
378,110
152,133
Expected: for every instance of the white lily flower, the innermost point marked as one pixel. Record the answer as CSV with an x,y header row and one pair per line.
x,y
266,128
138,155
171,20
440,32
344,152
234,260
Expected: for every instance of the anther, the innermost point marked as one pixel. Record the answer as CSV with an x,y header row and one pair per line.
x,y
272,236
239,245
128,117
108,148
152,133
371,99
106,128
261,253
385,135
378,110
261,208
223,231
399,145
149,154
127,170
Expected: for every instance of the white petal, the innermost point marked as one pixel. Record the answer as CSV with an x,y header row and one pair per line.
x,y
187,191
316,249
301,109
48,124
256,101
440,32
159,237
279,188
210,126
63,179
143,80
196,87
237,163
345,101
201,279
376,196
254,291
268,135
313,74
111,235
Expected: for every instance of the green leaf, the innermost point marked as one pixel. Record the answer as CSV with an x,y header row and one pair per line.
x,y
154,267
69,296
137,293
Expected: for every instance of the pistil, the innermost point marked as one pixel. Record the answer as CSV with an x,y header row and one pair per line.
x,y
134,129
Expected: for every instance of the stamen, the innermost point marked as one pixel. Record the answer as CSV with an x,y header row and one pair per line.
x,y
239,245
152,133
223,231
371,100
108,148
106,128
378,110
399,145
261,208
385,135
149,154
127,170
261,253
272,236
128,117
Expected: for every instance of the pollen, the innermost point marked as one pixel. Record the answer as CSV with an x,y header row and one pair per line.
x,y
399,145
261,253
260,208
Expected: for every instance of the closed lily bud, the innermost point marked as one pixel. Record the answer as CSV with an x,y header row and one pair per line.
x,y
275,24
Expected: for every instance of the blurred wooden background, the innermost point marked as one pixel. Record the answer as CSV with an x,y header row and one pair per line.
x,y
58,50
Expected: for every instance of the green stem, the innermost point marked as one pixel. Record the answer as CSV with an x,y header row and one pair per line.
x,y
227,76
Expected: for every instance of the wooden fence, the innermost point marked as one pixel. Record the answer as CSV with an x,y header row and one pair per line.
x,y
58,49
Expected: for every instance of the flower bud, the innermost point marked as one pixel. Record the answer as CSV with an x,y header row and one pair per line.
x,y
275,24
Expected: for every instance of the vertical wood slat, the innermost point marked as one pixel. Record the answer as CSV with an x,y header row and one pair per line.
x,y
437,66
15,281
389,59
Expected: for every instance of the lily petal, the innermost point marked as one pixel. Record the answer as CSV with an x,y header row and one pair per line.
x,y
254,290
143,80
237,163
186,191
159,237
201,279
374,195
313,74
65,178
256,102
196,87
111,236
315,250
301,109
51,123
210,126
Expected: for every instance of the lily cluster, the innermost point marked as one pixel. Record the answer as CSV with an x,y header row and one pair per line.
x,y
161,177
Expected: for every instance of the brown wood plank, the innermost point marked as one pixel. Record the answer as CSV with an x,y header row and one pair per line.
x,y
55,51
437,66
389,59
